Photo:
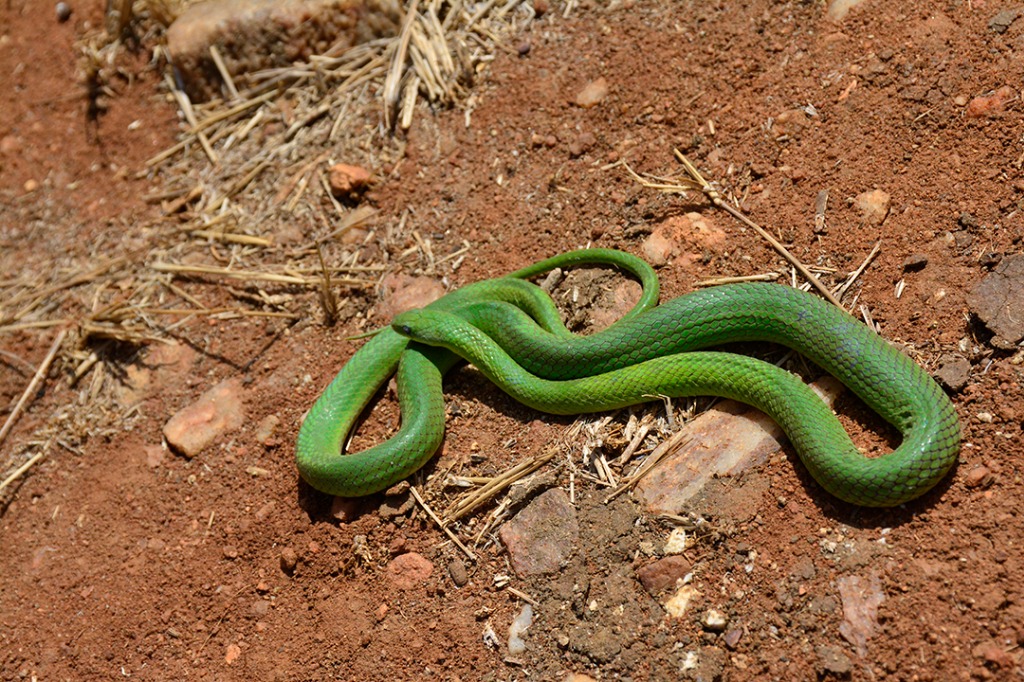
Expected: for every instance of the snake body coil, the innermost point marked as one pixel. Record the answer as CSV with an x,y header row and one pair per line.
x,y
511,331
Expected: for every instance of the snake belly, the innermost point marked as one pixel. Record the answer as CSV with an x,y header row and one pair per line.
x,y
651,352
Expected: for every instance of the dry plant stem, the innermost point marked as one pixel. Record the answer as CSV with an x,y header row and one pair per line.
x,y
392,84
715,197
841,290
222,69
474,500
20,471
240,312
40,324
447,531
354,219
36,296
719,281
186,108
33,385
328,301
246,239
252,276
522,595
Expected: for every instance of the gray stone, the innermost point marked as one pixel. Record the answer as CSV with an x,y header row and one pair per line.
x,y
599,645
833,660
998,299
1001,21
457,570
953,372
541,537
915,262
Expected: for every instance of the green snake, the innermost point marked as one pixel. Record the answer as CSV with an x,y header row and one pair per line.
x,y
511,331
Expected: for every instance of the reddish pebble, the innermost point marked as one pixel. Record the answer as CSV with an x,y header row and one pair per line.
x,y
979,477
349,181
988,105
289,560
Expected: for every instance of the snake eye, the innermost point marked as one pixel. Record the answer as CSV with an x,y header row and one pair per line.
x,y
406,330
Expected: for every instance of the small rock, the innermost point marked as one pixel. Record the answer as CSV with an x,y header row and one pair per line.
x,y
404,292
659,246
540,538
915,262
790,122
289,560
678,603
398,545
732,638
954,372
967,220
873,206
600,646
218,411
1002,20
541,7
230,552
393,506
232,653
523,49
663,573
457,570
400,489
993,654
979,477
9,144
264,512
997,299
990,105
985,417
581,145
714,620
63,12
31,185
592,94
833,660
348,181
265,431
803,569
409,570
861,597
838,9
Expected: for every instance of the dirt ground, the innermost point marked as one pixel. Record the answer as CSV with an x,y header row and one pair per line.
x,y
121,559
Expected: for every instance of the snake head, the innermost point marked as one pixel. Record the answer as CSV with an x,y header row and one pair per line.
x,y
406,323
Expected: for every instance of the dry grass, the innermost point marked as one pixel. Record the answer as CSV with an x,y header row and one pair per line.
x,y
250,227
